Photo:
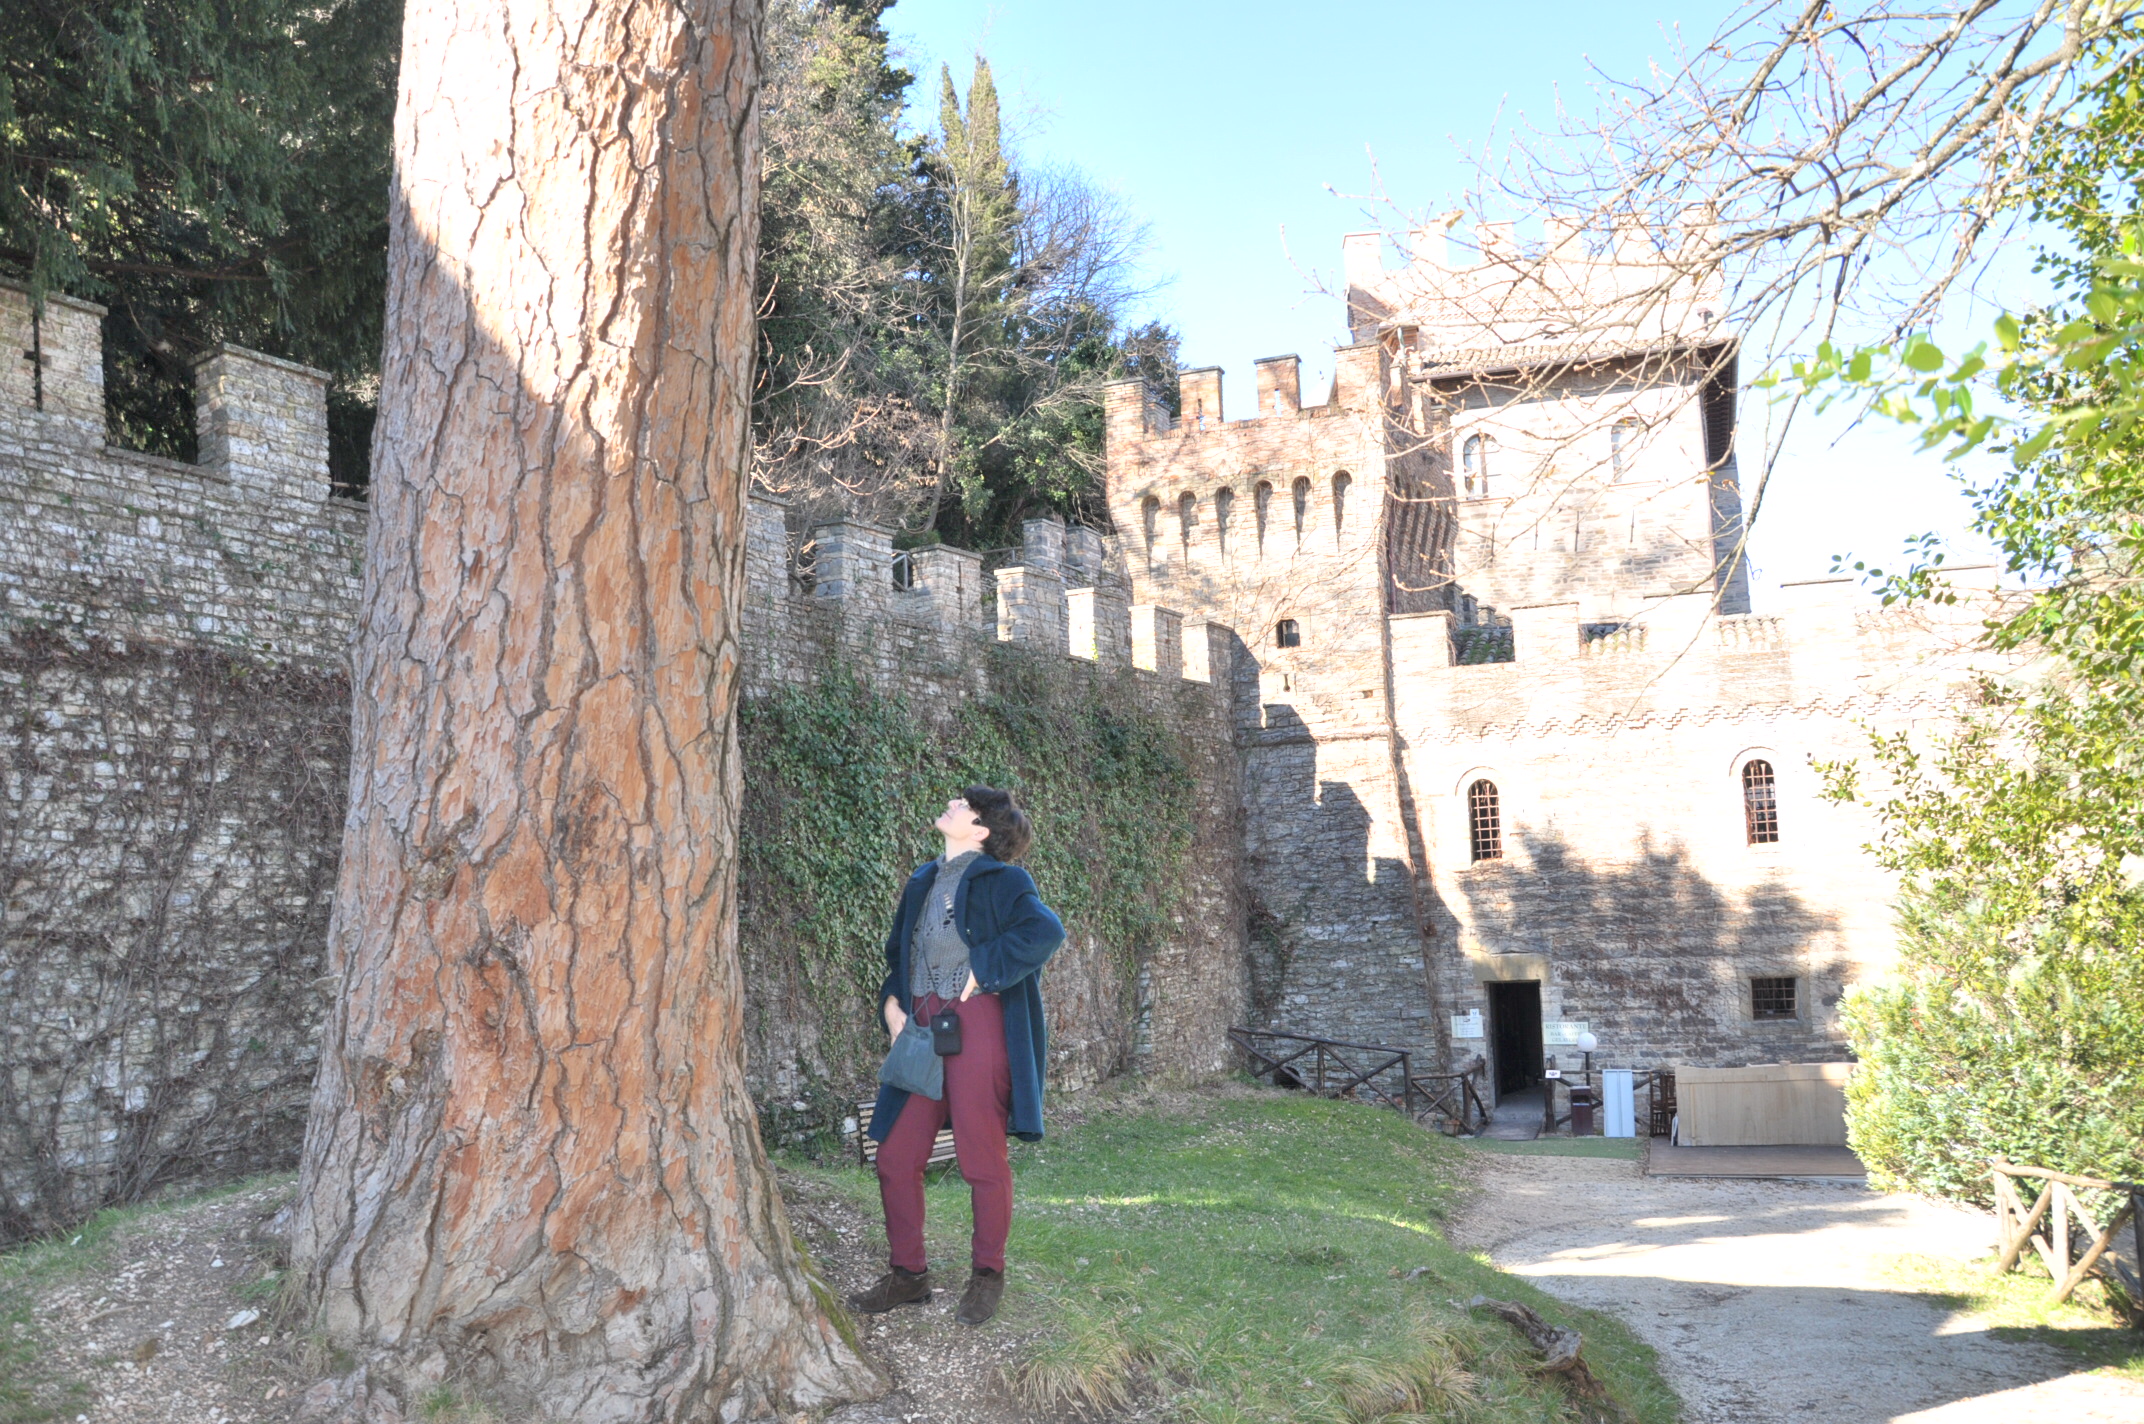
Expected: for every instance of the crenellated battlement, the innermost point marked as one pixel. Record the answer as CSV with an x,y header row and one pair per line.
x,y
1067,595
243,550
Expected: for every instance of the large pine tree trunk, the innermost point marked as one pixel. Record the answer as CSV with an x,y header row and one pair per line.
x,y
532,1166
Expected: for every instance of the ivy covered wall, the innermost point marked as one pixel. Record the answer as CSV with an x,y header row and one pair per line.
x,y
856,729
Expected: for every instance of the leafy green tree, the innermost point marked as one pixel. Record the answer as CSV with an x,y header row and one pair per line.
x,y
2016,1023
212,172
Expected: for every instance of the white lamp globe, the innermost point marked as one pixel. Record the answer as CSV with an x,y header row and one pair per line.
x,y
1587,1043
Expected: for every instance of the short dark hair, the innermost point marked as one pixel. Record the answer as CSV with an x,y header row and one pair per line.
x,y
1010,835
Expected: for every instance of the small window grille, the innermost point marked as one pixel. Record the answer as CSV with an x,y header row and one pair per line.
x,y
1288,634
1485,823
904,571
1760,803
1772,998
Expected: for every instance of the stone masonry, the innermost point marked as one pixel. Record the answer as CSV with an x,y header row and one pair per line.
x,y
175,708
1496,556
175,702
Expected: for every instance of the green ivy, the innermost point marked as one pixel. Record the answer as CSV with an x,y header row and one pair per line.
x,y
842,783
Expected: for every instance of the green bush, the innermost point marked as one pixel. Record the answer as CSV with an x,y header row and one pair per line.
x,y
2015,1023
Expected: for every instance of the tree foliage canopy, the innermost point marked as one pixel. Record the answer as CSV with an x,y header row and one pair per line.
x,y
2016,1024
212,172
936,318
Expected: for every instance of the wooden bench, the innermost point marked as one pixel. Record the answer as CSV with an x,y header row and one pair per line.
x,y
867,1150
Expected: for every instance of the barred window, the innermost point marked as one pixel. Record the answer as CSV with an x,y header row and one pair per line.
x,y
1760,803
1772,998
1288,634
1485,823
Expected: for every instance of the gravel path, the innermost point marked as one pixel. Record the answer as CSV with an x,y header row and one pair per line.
x,y
1768,1300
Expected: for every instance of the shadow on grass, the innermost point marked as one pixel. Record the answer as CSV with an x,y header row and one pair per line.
x,y
2014,1306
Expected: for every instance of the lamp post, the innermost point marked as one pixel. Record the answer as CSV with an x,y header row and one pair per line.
x,y
1584,1099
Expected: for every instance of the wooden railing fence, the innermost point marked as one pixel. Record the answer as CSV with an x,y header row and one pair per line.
x,y
2045,1227
1372,1072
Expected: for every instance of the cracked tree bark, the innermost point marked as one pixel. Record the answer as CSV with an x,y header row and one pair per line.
x,y
532,1169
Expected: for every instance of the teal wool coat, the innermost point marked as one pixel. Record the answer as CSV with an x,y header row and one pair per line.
x,y
1011,934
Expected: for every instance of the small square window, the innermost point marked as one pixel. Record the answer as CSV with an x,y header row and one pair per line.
x,y
1772,999
1288,633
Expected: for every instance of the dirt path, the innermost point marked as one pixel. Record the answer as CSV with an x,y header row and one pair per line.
x,y
1767,1300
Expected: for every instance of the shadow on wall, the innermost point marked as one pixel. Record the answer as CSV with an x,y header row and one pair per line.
x,y
1338,944
1651,954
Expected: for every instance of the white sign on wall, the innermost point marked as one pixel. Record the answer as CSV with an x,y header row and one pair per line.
x,y
1467,1025
1561,1030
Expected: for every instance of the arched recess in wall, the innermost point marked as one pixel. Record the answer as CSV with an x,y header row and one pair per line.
x,y
1623,446
1341,481
1301,491
1262,504
1187,519
1224,505
1755,786
1150,522
1463,803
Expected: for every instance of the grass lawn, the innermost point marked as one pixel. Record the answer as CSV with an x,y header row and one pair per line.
x,y
2014,1306
1262,1256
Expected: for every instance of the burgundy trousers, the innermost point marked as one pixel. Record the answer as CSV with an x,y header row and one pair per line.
x,y
978,1097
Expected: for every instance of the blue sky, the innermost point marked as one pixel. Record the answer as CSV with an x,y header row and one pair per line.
x,y
1225,125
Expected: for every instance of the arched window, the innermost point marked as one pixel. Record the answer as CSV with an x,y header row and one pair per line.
x,y
1264,503
1224,503
1302,506
1485,821
1760,803
1187,517
1622,445
1288,633
1150,522
1340,483
1474,465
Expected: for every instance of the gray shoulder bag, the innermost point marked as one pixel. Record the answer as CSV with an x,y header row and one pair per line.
x,y
913,1065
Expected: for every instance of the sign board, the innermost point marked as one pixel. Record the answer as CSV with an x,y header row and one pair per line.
x,y
1467,1025
1561,1030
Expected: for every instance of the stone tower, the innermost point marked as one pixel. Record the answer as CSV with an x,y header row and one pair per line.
x,y
1514,745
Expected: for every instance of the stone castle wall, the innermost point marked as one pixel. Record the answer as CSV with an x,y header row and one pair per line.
x,y
174,697
174,703
1628,886
934,645
1626,689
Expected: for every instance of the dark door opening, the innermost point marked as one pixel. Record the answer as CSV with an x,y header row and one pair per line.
x,y
1515,1023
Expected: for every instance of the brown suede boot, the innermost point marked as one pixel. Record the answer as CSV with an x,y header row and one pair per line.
x,y
896,1287
980,1301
